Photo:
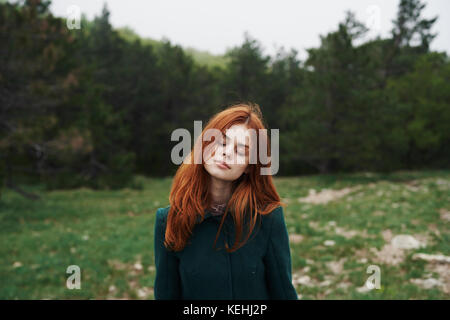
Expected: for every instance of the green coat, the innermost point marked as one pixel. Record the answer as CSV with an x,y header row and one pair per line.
x,y
261,269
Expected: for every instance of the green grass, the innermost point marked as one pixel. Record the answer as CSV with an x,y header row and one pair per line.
x,y
109,235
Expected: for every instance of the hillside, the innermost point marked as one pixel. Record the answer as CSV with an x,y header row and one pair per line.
x,y
201,57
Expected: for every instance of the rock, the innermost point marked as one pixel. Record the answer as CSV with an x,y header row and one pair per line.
x,y
295,238
325,283
445,214
363,289
388,254
387,235
427,283
336,266
440,258
326,195
303,280
343,285
329,243
348,234
404,241
144,292
442,182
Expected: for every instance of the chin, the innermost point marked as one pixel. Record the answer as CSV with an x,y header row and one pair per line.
x,y
223,176
219,173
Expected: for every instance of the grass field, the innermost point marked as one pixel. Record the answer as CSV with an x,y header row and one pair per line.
x,y
338,225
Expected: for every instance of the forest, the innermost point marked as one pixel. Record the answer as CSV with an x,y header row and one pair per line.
x,y
95,106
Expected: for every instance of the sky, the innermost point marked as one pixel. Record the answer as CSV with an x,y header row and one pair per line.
x,y
216,26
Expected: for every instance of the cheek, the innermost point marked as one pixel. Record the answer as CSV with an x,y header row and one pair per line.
x,y
242,161
210,155
209,161
238,168
209,167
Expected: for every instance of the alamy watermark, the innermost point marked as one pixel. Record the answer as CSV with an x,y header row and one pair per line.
x,y
73,17
74,280
374,281
255,153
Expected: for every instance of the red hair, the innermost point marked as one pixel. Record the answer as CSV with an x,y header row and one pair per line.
x,y
253,194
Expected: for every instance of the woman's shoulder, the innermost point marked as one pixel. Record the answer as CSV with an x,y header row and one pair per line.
x,y
274,217
275,213
161,214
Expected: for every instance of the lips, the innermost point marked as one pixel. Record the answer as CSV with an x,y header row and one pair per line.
x,y
222,164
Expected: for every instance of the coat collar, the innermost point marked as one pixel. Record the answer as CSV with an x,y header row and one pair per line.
x,y
208,214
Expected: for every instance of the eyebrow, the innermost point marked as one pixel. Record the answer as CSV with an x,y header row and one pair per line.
x,y
239,144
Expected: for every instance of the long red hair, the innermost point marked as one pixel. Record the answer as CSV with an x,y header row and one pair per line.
x,y
253,194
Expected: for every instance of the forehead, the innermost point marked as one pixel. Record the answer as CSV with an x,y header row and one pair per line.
x,y
238,131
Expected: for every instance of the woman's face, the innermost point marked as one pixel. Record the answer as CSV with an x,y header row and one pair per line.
x,y
230,154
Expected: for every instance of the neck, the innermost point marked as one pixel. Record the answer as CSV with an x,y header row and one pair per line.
x,y
220,191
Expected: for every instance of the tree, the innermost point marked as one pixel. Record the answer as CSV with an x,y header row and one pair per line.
x,y
35,81
411,37
285,76
410,29
423,96
325,118
246,75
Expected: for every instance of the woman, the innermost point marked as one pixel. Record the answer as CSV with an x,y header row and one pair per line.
x,y
221,198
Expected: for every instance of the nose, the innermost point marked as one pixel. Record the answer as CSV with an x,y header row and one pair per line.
x,y
227,151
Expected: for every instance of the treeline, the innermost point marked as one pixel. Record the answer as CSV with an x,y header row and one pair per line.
x,y
87,107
